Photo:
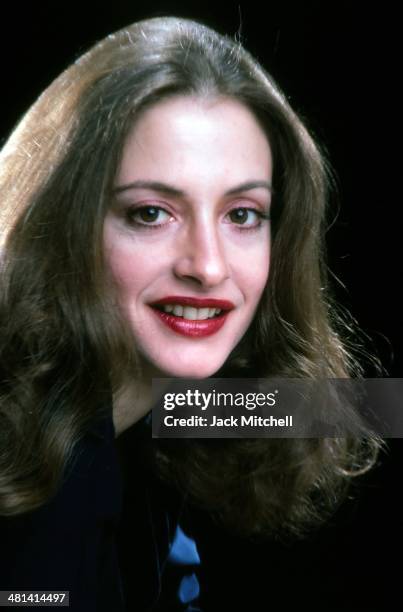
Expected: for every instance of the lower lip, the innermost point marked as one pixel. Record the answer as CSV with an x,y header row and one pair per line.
x,y
190,328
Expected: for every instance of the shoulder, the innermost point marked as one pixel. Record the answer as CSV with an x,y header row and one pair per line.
x,y
52,545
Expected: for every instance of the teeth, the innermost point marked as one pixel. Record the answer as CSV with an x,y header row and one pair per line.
x,y
178,310
191,313
202,313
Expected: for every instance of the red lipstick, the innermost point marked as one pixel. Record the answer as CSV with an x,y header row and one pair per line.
x,y
195,302
189,327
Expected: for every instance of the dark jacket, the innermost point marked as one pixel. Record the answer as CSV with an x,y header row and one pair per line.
x,y
110,536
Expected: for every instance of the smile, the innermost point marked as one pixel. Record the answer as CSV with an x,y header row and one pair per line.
x,y
192,317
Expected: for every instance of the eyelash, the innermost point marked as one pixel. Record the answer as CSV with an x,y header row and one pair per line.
x,y
130,212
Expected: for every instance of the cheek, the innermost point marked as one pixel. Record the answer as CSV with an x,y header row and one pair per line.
x,y
123,263
253,272
132,267
137,260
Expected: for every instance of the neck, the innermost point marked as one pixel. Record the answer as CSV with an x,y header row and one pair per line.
x,y
130,404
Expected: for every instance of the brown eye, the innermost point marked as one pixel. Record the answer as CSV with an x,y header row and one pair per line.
x,y
239,215
148,215
248,217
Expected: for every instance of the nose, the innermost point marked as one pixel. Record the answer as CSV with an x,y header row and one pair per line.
x,y
201,256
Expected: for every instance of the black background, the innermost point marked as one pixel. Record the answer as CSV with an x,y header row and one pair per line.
x,y
338,64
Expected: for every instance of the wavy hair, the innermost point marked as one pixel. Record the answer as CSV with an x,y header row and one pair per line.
x,y
63,339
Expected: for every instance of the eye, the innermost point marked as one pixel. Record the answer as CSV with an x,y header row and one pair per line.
x,y
148,215
248,217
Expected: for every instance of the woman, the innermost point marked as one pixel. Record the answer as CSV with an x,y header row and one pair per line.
x,y
160,177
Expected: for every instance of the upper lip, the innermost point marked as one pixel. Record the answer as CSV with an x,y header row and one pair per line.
x,y
195,302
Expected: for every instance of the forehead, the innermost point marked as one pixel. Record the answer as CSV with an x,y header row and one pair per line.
x,y
185,138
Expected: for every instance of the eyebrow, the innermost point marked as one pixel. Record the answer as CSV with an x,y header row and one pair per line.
x,y
173,191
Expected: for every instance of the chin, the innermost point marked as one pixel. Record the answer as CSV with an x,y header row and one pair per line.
x,y
192,368
189,371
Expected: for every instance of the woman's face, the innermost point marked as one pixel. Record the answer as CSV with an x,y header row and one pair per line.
x,y
187,238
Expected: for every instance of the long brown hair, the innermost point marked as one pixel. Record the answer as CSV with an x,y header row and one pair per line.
x,y
62,337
